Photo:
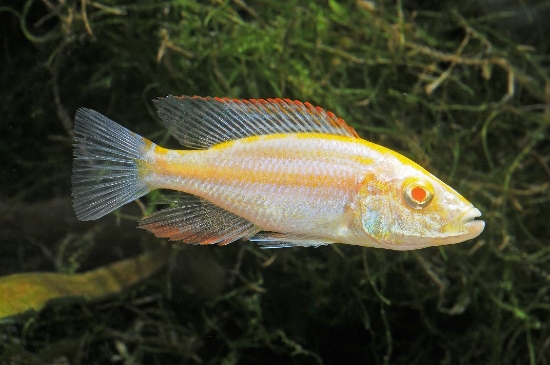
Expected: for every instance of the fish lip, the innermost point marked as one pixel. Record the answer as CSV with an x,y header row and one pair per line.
x,y
470,215
469,222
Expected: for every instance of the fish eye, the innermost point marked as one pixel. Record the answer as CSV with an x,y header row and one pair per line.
x,y
417,193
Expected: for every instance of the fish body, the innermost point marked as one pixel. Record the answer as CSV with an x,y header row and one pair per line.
x,y
278,172
302,183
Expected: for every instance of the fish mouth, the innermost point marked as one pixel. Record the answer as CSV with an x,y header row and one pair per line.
x,y
473,226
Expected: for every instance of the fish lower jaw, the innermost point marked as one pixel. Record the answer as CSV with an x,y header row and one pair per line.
x,y
465,231
474,227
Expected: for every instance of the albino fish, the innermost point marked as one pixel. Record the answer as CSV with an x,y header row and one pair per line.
x,y
278,172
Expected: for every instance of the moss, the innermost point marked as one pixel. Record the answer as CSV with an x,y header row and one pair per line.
x,y
463,89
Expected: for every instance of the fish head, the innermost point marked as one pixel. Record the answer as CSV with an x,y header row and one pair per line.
x,y
404,207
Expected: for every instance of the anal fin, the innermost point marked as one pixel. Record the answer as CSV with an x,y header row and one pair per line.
x,y
196,221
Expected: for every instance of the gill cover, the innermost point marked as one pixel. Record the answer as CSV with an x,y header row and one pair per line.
x,y
401,214
376,217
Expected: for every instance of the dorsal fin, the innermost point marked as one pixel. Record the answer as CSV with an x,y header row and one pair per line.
x,y
201,122
197,221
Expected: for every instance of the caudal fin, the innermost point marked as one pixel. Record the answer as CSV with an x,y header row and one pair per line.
x,y
108,165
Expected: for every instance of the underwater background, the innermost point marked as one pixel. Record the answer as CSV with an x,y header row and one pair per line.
x,y
461,87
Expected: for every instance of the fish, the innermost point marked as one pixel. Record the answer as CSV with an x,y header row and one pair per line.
x,y
278,172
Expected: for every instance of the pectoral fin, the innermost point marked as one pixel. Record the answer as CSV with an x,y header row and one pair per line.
x,y
280,240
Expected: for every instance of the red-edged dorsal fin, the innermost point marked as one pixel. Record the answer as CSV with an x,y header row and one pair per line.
x,y
197,221
201,122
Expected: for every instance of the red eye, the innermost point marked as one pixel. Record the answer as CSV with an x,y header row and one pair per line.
x,y
417,193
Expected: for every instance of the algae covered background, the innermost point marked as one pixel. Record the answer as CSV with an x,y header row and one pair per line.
x,y
462,88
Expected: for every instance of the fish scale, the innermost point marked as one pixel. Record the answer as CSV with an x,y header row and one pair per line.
x,y
287,182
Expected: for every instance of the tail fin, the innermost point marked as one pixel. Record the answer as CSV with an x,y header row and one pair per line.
x,y
106,168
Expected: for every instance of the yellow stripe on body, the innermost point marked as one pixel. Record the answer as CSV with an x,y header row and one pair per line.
x,y
268,178
287,159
